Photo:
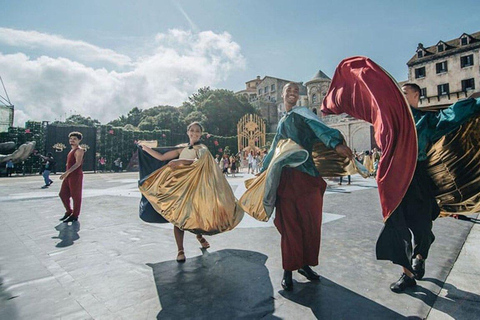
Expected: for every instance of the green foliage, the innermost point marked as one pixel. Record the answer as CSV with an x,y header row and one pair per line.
x,y
162,117
78,119
220,145
221,110
115,142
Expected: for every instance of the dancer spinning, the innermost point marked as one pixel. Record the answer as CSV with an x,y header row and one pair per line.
x,y
191,192
429,160
294,186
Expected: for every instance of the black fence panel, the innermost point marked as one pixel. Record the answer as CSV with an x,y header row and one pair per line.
x,y
57,136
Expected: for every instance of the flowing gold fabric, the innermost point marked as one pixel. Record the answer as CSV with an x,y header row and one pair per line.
x,y
259,199
331,164
194,197
454,165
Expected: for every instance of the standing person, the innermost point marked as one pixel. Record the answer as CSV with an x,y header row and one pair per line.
x,y
233,165
49,163
10,167
349,178
225,164
376,159
250,159
178,191
258,162
299,196
368,162
101,163
116,165
72,179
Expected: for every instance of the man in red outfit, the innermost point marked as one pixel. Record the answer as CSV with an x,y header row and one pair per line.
x,y
299,198
72,179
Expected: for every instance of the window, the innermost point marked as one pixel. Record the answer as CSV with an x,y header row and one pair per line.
x,y
443,89
442,67
466,61
272,87
420,73
468,84
259,91
440,47
420,54
464,40
266,89
423,93
314,98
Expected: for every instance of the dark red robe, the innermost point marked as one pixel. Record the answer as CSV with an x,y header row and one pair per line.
x,y
362,89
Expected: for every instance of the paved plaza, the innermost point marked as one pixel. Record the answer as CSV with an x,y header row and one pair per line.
x,y
112,265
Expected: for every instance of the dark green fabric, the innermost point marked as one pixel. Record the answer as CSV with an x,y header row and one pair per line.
x,y
431,126
302,126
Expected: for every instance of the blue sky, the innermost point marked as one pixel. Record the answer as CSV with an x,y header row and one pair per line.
x,y
102,58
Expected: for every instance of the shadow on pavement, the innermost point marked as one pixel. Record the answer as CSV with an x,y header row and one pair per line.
x,y
7,305
452,304
224,284
67,234
328,300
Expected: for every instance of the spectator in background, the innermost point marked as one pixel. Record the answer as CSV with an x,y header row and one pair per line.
x,y
367,162
101,164
10,167
49,163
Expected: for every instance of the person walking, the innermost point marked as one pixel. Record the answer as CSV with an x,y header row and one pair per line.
x,y
49,163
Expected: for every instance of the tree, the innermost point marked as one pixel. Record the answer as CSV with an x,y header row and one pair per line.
x,y
162,117
134,117
196,116
222,110
79,119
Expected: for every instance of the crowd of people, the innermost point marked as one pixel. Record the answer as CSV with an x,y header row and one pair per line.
x,y
249,161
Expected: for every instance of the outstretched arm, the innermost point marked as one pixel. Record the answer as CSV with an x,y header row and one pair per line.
x,y
447,120
172,154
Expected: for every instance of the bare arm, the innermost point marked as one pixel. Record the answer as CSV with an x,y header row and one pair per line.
x,y
78,163
172,154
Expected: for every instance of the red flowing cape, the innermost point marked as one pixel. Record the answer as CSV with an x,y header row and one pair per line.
x,y
362,89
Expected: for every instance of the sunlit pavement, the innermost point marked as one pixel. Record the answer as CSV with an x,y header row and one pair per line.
x,y
111,265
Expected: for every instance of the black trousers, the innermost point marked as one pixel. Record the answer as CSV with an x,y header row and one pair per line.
x,y
414,215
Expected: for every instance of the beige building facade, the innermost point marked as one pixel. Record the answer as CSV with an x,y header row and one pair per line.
x,y
447,71
266,95
317,89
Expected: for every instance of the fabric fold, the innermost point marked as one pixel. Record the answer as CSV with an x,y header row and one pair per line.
x,y
259,199
362,89
195,197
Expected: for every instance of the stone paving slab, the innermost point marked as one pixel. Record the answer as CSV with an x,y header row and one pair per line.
x,y
111,265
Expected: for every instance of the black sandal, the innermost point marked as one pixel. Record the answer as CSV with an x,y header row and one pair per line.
x,y
181,256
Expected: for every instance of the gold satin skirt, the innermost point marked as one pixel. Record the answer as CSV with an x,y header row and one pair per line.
x,y
195,197
454,166
259,199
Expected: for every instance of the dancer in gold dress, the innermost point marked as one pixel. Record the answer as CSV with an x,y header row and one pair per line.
x,y
191,191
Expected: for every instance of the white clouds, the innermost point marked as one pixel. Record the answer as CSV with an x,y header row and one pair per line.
x,y
47,88
79,49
